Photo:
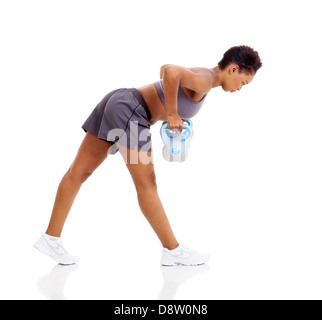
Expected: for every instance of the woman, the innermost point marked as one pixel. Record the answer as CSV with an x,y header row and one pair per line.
x,y
121,122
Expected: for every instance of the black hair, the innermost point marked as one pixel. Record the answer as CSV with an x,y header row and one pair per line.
x,y
245,57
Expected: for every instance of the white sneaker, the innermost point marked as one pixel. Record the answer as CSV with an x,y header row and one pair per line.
x,y
55,250
182,256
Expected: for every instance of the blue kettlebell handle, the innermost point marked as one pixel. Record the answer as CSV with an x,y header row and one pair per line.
x,y
169,133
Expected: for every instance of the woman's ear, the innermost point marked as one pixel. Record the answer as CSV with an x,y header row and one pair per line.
x,y
234,68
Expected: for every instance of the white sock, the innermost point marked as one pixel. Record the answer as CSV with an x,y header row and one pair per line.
x,y
173,250
51,237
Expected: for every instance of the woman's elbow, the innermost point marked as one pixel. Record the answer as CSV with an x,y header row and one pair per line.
x,y
171,72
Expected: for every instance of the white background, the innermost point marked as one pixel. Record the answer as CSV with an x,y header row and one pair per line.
x,y
249,194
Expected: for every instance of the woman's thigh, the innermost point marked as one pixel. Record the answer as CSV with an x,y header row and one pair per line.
x,y
91,154
140,165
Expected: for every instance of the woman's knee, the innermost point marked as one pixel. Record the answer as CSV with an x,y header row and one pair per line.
x,y
146,183
79,174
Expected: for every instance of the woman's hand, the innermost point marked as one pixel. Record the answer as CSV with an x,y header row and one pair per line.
x,y
175,122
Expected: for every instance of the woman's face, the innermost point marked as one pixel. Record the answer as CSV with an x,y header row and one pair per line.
x,y
234,80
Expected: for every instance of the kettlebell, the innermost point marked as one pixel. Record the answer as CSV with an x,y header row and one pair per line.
x,y
176,144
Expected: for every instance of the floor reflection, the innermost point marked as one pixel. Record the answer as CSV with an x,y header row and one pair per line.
x,y
52,284
174,277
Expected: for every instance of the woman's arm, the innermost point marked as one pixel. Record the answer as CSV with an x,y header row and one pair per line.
x,y
171,81
162,70
198,81
173,76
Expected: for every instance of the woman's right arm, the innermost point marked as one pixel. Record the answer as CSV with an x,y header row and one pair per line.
x,y
171,81
173,76
162,70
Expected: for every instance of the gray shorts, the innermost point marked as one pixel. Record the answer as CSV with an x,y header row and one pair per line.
x,y
122,117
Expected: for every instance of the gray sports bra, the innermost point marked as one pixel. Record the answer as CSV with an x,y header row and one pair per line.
x,y
187,108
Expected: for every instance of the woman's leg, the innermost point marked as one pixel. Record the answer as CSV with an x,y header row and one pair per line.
x,y
143,175
91,154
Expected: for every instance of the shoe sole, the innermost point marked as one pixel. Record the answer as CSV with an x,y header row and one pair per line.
x,y
173,264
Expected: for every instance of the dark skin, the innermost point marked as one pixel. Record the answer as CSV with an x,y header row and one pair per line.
x,y
195,82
